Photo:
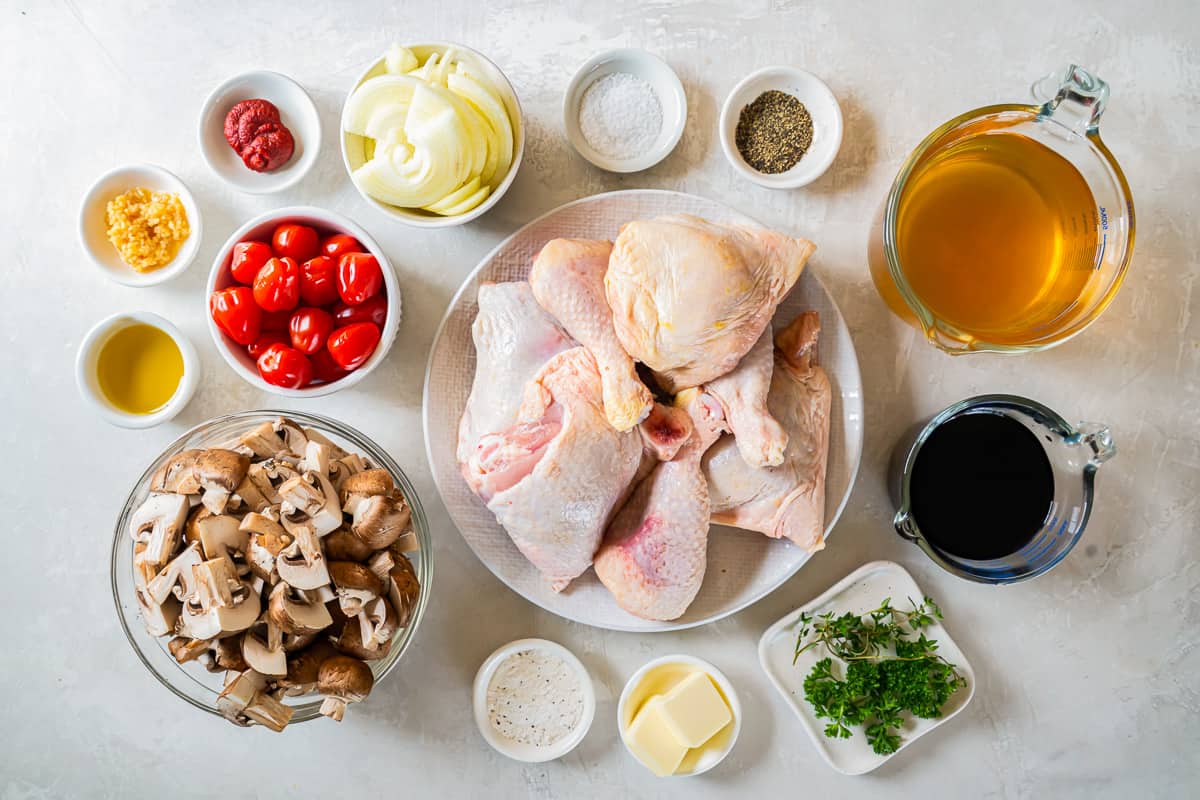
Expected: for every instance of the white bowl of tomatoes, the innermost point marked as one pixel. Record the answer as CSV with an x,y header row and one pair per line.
x,y
302,302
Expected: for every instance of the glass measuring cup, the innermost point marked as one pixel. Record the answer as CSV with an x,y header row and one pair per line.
x,y
1066,122
1074,452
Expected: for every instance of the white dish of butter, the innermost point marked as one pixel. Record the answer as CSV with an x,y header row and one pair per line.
x,y
534,700
679,715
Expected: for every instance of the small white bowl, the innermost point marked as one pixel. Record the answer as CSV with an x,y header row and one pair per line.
x,y
822,107
629,697
654,71
518,751
260,229
297,112
93,223
354,155
89,384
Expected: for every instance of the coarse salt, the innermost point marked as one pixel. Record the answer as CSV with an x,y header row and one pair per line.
x,y
620,116
535,698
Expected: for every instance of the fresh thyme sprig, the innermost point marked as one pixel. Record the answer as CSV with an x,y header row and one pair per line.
x,y
886,673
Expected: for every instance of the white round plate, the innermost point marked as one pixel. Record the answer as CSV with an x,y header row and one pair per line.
x,y
743,566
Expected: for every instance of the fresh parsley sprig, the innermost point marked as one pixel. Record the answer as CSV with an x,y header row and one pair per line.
x,y
885,674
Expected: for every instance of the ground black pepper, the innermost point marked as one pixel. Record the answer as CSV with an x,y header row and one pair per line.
x,y
774,132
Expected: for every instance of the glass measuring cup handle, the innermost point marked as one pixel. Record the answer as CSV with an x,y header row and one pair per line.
x,y
1097,437
906,526
1072,97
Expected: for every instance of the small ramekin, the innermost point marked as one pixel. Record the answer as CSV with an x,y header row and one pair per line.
x,y
530,753
259,229
822,107
654,71
297,111
89,383
625,713
352,145
93,223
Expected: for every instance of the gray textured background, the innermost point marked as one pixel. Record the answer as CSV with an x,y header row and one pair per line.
x,y
1088,677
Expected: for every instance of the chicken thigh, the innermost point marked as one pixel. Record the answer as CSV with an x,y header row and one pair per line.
x,y
513,337
788,500
689,298
655,552
554,477
743,394
568,281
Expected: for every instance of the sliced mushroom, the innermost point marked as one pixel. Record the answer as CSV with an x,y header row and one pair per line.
x,y
177,576
313,495
342,545
215,473
297,641
350,641
259,653
186,650
335,451
381,564
157,524
239,692
304,666
269,712
377,623
159,618
267,540
405,590
302,565
221,603
220,535
379,520
260,479
343,680
262,440
227,653
251,496
294,614
369,483
316,458
355,585
342,468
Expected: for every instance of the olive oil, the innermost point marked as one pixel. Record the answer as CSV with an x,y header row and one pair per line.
x,y
139,368
981,486
997,235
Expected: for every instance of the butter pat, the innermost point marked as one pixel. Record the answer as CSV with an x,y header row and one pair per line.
x,y
694,711
652,741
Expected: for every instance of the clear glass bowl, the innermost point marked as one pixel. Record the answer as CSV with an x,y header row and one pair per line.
x,y
191,681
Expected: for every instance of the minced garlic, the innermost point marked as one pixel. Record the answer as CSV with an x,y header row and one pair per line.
x,y
147,227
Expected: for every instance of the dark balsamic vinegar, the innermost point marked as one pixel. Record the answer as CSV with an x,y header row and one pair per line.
x,y
981,486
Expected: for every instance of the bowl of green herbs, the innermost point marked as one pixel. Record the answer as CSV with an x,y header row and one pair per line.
x,y
867,668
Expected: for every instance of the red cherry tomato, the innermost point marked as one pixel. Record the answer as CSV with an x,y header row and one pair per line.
x,y
359,278
285,366
236,314
339,244
318,281
276,320
248,259
277,285
265,340
309,329
373,310
325,369
352,345
294,241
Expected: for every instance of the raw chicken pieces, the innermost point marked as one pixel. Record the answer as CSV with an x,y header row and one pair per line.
x,y
554,478
568,281
513,337
785,501
689,298
743,394
655,552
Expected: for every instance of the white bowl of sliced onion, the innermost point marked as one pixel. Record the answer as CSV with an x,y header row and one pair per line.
x,y
432,134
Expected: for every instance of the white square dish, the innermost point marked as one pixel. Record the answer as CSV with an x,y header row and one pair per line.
x,y
859,592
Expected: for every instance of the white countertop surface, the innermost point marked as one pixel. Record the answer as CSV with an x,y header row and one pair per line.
x,y
1089,677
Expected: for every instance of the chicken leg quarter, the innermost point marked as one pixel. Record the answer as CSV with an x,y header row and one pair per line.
x,y
786,501
554,478
743,394
568,281
689,298
655,552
